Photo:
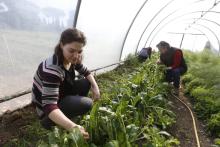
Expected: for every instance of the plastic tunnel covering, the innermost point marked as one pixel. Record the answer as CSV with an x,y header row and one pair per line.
x,y
159,20
114,28
105,23
29,30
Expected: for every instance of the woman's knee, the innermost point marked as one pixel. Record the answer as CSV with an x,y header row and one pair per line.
x,y
75,105
86,103
176,72
83,87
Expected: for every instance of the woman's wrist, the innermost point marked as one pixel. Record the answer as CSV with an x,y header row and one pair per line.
x,y
92,81
95,86
70,126
76,126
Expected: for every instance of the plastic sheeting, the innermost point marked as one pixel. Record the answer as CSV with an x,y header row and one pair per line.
x,y
158,18
105,23
30,29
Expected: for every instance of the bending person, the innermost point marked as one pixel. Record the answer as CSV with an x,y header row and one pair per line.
x,y
175,62
144,54
56,94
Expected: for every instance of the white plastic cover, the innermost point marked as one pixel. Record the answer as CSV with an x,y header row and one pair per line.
x,y
30,29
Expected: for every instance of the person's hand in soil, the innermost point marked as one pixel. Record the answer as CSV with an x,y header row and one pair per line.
x,y
83,131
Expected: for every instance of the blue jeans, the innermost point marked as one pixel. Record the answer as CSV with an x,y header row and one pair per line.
x,y
173,75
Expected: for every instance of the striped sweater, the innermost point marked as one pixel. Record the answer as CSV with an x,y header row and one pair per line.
x,y
48,84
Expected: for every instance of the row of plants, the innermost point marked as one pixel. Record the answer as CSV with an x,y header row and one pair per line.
x,y
133,111
202,84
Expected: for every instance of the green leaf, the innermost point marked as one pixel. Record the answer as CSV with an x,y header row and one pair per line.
x,y
113,143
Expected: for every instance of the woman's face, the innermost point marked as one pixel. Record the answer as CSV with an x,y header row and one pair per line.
x,y
163,50
72,52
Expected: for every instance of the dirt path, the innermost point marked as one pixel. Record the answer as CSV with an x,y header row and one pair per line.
x,y
183,129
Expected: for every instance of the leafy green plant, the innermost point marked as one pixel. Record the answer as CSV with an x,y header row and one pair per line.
x,y
197,82
201,92
187,78
202,84
133,110
60,137
214,124
217,141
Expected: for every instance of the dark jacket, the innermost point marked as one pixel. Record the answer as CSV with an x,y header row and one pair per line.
x,y
172,56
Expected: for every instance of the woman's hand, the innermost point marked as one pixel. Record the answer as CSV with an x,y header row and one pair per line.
x,y
94,87
158,61
95,92
59,118
83,131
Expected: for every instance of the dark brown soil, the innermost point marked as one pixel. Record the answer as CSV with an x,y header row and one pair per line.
x,y
183,129
12,124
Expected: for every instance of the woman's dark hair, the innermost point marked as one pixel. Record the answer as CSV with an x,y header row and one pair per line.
x,y
68,36
163,44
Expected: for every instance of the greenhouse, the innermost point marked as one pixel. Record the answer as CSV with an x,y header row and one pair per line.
x,y
110,73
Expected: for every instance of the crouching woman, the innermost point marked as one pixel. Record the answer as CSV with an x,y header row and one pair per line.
x,y
56,94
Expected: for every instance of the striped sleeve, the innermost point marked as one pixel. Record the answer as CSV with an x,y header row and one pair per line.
x,y
82,70
50,92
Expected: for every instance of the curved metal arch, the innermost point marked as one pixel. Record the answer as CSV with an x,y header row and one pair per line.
x,y
189,23
204,19
201,32
211,32
173,20
206,37
215,4
214,22
130,26
203,13
205,33
168,16
178,17
164,20
173,12
210,21
152,19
